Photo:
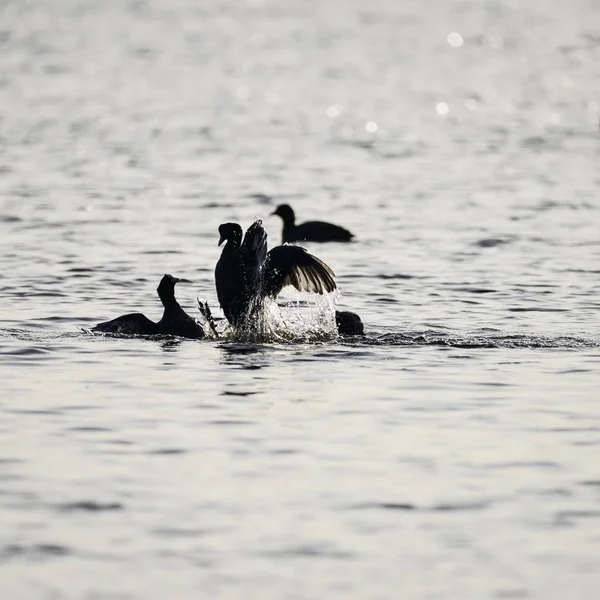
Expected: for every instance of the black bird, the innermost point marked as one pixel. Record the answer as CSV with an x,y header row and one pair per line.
x,y
175,321
349,323
246,273
311,231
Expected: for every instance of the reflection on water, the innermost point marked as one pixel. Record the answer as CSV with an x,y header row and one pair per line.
x,y
171,345
451,451
241,348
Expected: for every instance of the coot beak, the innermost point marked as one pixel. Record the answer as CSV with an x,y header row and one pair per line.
x,y
221,240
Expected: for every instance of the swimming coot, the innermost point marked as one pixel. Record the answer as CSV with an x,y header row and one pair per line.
x,y
246,273
311,231
175,321
349,323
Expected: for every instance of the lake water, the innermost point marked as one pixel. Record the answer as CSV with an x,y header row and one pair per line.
x,y
450,453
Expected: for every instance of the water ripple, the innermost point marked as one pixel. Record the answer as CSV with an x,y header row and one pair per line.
x,y
89,506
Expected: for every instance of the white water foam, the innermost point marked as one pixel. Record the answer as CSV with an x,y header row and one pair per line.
x,y
297,317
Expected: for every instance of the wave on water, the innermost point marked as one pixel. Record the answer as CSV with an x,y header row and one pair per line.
x,y
474,341
314,335
300,322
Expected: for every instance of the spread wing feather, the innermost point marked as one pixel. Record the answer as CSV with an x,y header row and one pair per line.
x,y
293,265
253,252
254,245
131,324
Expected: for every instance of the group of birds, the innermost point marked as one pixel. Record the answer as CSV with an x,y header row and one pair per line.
x,y
245,276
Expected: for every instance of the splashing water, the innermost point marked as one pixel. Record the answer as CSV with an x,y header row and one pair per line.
x,y
304,318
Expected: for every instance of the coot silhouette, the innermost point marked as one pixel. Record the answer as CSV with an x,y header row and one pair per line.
x,y
311,231
348,323
175,321
246,273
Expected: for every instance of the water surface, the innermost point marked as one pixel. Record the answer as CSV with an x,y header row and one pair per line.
x,y
452,452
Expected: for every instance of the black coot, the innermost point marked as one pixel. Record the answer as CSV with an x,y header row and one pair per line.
x,y
311,231
175,321
246,273
349,323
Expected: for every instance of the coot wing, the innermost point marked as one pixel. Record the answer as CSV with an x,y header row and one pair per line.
x,y
254,250
131,324
293,265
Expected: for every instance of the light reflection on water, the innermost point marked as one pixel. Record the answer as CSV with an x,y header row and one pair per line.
x,y
452,450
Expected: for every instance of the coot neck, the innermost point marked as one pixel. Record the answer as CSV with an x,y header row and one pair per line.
x,y
167,297
289,220
231,245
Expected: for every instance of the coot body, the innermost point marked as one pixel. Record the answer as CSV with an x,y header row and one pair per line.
x,y
246,273
175,321
349,323
311,231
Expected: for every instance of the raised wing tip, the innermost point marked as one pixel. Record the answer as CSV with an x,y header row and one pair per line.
x,y
317,278
293,265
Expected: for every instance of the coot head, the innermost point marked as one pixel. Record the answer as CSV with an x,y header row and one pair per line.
x,y
167,284
349,323
230,232
286,212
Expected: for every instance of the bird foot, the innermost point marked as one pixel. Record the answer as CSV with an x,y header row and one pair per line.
x,y
205,311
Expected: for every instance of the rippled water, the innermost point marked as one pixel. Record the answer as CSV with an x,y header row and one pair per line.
x,y
453,451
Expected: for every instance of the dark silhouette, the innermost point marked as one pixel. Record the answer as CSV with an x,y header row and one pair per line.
x,y
348,323
246,273
175,321
311,231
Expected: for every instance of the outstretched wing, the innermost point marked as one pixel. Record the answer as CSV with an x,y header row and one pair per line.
x,y
131,324
253,251
293,265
